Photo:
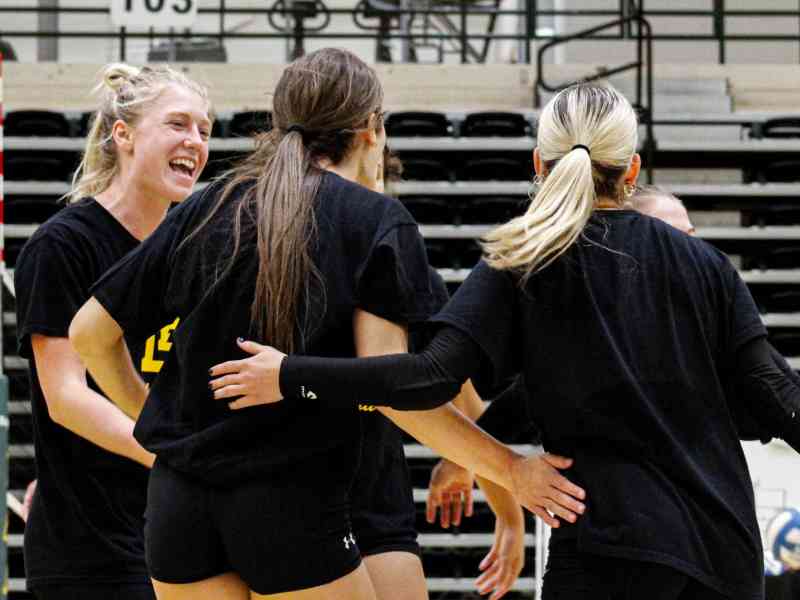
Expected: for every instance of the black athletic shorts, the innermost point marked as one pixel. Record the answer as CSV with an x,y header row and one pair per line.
x,y
278,534
573,575
382,500
103,591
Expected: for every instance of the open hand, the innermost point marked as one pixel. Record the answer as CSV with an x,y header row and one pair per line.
x,y
253,381
540,488
502,566
450,492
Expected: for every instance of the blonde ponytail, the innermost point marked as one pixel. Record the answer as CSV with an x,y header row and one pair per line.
x,y
587,137
125,91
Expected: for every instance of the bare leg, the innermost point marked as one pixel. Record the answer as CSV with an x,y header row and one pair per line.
x,y
228,586
353,586
397,576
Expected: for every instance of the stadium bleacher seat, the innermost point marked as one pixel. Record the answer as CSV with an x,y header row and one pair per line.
x,y
430,209
245,124
491,209
425,168
489,124
495,167
418,124
777,128
42,123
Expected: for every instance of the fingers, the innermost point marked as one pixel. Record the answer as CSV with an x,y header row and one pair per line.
x,y
559,462
230,391
433,502
489,559
457,508
468,511
544,516
561,511
565,485
567,502
250,347
444,513
497,580
221,382
231,366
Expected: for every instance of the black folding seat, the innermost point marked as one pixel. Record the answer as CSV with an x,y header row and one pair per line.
x,y
782,257
782,171
31,209
771,215
499,209
419,168
778,301
13,246
418,124
495,124
495,168
246,124
786,342
778,128
427,209
37,165
41,123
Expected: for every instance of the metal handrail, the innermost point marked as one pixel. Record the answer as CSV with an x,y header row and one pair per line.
x,y
643,65
719,15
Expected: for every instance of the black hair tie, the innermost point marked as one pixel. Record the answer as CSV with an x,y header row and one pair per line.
x,y
295,127
589,152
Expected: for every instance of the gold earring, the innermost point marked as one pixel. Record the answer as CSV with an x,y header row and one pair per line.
x,y
537,181
629,190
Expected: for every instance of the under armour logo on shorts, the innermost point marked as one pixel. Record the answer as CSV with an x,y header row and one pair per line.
x,y
348,540
309,395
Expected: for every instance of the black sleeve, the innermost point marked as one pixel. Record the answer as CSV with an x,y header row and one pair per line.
x,y
507,416
134,289
393,282
486,309
52,282
769,399
744,321
401,381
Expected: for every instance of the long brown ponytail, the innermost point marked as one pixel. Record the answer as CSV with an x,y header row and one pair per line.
x,y
320,102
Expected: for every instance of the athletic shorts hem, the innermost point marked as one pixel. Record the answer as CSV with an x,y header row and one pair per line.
x,y
410,547
346,569
51,580
186,579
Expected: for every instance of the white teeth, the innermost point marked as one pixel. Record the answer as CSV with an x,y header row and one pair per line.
x,y
184,162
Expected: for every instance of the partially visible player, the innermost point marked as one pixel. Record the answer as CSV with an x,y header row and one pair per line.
x,y
146,148
383,511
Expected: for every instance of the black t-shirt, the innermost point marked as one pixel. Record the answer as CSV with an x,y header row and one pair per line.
x,y
86,523
370,255
783,587
622,343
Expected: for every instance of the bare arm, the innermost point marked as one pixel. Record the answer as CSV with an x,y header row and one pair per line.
x,y
74,405
99,342
447,431
469,402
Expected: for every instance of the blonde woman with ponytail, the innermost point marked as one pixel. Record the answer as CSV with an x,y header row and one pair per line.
x,y
626,333
147,145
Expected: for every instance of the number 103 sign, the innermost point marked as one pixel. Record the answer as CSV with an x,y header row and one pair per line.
x,y
153,13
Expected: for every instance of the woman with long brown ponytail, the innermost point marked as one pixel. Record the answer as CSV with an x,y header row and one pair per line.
x,y
626,333
287,249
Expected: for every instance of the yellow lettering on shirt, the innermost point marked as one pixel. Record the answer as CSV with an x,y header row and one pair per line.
x,y
164,343
151,364
367,407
